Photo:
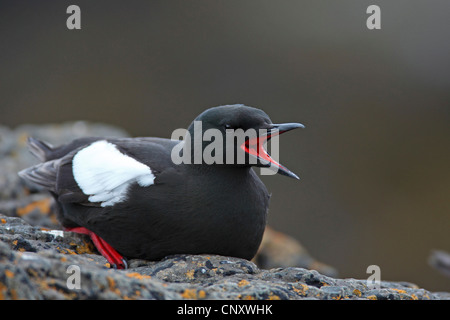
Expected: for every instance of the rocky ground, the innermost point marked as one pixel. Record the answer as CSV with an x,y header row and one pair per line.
x,y
39,261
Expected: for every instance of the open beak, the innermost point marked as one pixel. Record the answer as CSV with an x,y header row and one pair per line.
x,y
255,147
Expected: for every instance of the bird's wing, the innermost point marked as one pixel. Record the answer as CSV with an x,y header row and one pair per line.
x,y
96,174
104,173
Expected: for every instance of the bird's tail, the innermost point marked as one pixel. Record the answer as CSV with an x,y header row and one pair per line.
x,y
42,174
39,149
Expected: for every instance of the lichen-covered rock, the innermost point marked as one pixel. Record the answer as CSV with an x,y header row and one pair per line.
x,y
37,263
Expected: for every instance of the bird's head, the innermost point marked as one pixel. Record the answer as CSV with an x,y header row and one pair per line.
x,y
236,135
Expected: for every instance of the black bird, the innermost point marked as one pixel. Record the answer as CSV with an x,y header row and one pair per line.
x,y
135,201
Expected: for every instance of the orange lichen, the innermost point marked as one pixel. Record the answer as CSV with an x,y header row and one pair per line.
x,y
193,294
302,290
3,288
273,296
65,250
243,283
86,247
189,294
356,292
13,294
190,274
138,275
112,285
9,273
398,290
42,205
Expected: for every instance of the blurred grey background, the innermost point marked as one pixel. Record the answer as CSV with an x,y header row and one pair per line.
x,y
374,157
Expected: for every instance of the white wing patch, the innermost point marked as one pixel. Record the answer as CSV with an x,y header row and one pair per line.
x,y
104,173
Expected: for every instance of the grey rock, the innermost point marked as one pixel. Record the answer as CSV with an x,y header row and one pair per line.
x,y
440,260
35,264
280,250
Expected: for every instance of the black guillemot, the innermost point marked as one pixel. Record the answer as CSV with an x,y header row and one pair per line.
x,y
135,201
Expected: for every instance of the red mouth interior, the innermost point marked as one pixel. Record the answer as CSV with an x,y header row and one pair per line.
x,y
254,146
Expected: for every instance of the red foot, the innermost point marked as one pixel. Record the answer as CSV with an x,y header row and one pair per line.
x,y
110,254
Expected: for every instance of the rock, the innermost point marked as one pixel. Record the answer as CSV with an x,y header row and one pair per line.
x,y
37,263
279,250
440,260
